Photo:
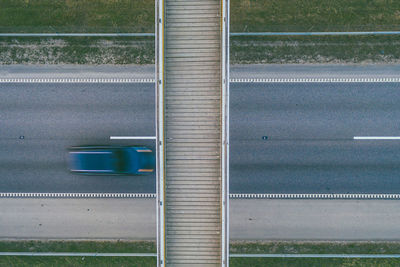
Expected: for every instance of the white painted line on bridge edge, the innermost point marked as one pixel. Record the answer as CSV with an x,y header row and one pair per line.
x,y
77,195
132,138
376,137
232,196
315,196
75,80
315,80
234,80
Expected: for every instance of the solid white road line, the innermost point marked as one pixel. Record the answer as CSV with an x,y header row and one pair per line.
x,y
75,80
315,80
376,137
315,196
232,196
234,80
132,137
77,195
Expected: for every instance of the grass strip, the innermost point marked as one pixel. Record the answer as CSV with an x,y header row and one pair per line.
x,y
77,50
315,262
246,15
314,15
237,247
315,49
8,261
312,247
243,50
79,246
77,16
288,247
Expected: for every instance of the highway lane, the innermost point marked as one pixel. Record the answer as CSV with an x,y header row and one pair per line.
x,y
309,127
310,146
53,117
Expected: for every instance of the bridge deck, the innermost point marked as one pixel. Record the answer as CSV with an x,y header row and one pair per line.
x,y
193,133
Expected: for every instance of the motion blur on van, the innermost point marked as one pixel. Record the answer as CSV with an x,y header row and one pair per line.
x,y
111,160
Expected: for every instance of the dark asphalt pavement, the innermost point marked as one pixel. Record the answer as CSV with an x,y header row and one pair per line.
x,y
53,117
310,129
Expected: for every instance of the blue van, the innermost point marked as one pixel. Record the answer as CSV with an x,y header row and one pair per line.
x,y
111,160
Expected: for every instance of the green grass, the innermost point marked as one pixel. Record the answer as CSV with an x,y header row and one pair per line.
x,y
243,50
312,262
79,246
235,247
314,248
246,15
314,15
77,15
77,50
327,49
77,261
310,247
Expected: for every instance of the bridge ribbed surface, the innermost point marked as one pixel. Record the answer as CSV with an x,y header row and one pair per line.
x,y
193,132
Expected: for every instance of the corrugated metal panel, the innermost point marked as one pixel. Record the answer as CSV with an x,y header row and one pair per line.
x,y
193,132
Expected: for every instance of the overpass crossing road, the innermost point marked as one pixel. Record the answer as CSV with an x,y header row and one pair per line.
x,y
192,132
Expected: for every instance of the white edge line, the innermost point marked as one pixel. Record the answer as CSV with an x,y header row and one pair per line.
x,y
75,80
132,137
77,195
232,196
376,137
315,196
316,80
233,80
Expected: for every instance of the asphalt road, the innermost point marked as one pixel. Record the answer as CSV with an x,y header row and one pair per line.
x,y
53,117
255,219
309,128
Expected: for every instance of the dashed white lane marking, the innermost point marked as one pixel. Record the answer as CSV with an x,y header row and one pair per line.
x,y
232,196
315,80
132,137
234,80
75,80
376,138
315,196
77,195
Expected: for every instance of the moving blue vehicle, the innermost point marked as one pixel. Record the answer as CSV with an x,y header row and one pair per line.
x,y
111,160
